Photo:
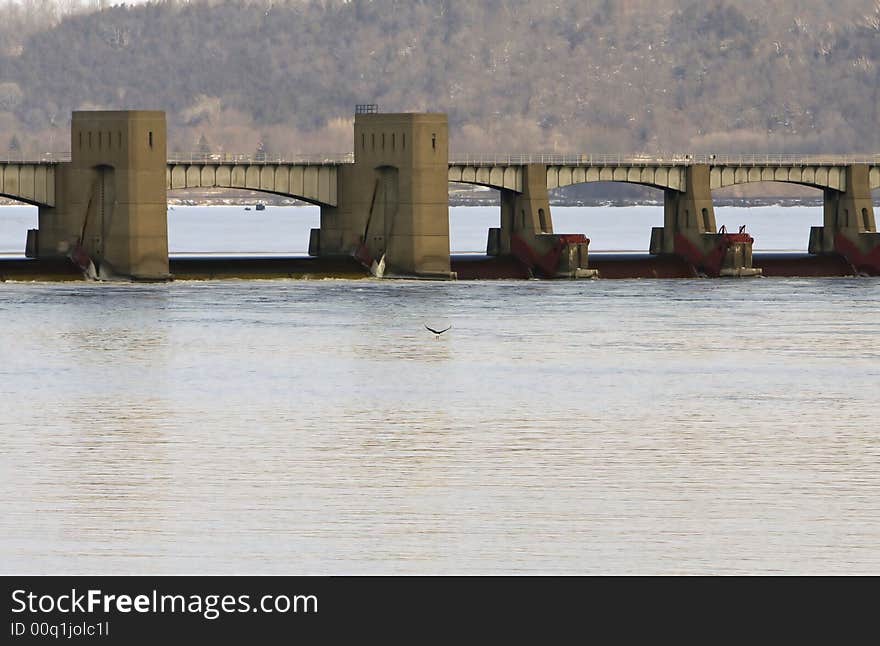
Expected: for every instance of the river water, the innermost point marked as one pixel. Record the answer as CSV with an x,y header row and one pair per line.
x,y
285,230
316,427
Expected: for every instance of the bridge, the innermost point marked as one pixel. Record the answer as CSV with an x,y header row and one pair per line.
x,y
32,182
312,178
387,203
663,172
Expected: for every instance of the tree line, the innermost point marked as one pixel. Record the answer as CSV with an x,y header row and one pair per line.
x,y
601,76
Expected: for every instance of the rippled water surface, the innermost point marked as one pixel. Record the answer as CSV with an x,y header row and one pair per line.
x,y
560,427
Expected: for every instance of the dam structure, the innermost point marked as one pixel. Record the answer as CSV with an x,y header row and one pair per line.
x,y
385,207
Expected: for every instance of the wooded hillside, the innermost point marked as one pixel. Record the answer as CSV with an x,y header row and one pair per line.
x,y
567,75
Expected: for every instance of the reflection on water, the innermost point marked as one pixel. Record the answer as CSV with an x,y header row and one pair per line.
x,y
317,427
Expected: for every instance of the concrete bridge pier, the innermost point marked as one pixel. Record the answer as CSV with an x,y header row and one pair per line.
x,y
110,199
392,209
690,231
850,228
526,231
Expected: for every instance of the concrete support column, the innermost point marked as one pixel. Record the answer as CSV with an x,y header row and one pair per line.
x,y
342,226
531,208
849,226
526,231
111,205
524,214
393,204
690,214
691,232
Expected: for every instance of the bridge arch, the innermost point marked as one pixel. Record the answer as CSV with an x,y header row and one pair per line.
x,y
502,177
24,200
312,183
509,177
31,183
821,177
654,176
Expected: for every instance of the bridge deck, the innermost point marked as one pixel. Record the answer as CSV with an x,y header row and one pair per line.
x,y
684,159
314,177
496,159
665,171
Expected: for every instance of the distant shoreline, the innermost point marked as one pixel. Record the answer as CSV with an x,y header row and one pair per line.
x,y
275,201
741,202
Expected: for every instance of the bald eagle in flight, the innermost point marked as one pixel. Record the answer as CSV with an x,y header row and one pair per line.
x,y
438,332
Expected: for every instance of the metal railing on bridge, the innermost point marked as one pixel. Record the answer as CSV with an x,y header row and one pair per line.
x,y
325,159
322,159
16,157
489,159
672,159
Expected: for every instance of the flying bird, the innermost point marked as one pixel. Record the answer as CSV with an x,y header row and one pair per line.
x,y
438,332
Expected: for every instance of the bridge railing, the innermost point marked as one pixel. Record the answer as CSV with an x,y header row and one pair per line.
x,y
671,159
554,159
329,159
16,157
490,159
785,160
